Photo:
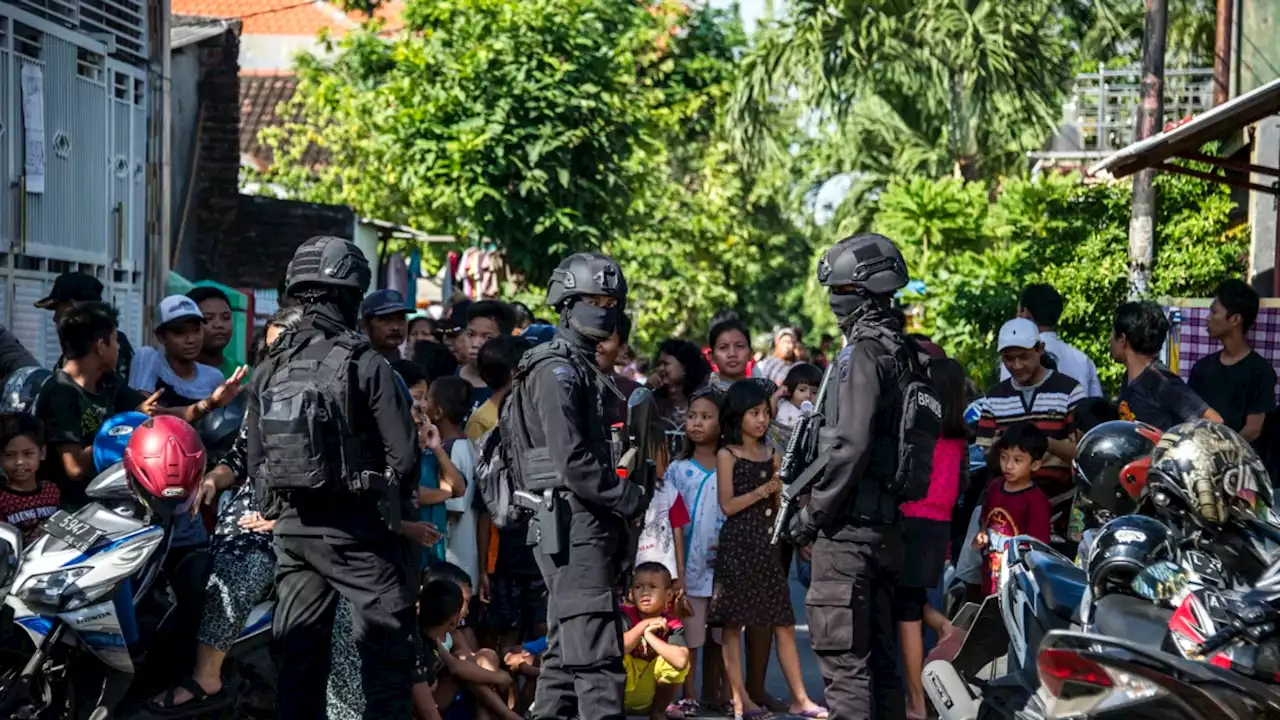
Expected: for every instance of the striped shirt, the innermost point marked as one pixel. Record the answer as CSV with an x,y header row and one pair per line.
x,y
1049,406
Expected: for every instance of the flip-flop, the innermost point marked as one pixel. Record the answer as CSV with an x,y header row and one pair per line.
x,y
200,702
759,713
686,708
818,712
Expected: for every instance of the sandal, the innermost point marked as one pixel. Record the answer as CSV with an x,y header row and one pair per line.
x,y
687,708
817,711
759,713
200,701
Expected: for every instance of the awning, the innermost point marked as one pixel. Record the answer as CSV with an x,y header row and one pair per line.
x,y
1185,141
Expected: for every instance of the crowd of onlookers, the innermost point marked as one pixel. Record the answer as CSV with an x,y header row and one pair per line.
x,y
709,589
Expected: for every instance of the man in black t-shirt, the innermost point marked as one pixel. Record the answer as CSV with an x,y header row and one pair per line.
x,y
1236,381
70,288
1152,393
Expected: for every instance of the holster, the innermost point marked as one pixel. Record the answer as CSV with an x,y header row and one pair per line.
x,y
544,494
387,489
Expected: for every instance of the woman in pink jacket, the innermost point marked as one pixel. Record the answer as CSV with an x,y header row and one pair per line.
x,y
927,531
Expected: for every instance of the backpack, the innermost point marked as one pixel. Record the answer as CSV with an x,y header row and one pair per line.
x,y
917,416
496,482
303,417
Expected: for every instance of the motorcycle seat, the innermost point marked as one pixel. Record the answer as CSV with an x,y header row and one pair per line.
x,y
1061,583
1133,619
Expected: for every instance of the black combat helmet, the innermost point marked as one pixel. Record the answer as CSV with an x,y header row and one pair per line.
x,y
326,261
869,262
586,273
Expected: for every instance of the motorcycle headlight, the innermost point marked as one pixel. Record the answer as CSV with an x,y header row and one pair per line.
x,y
59,590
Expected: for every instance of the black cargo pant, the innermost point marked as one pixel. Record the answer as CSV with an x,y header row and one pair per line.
x,y
582,675
849,607
373,575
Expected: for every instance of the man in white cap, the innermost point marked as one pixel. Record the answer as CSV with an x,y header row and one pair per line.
x,y
1033,393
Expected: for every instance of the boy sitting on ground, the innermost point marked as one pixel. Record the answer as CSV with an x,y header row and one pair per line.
x,y
473,679
656,659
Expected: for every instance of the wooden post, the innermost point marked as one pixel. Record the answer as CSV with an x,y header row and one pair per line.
x,y
1142,221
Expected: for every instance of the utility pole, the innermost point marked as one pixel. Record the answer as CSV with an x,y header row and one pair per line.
x,y
1142,223
1222,53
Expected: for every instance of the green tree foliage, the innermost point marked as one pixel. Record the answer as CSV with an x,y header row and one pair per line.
x,y
548,127
1074,237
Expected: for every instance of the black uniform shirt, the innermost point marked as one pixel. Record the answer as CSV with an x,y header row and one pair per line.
x,y
562,411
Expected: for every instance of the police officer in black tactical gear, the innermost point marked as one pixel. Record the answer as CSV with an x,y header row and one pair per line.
x,y
851,516
583,540
330,434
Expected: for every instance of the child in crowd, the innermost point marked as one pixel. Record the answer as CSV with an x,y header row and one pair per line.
x,y
215,306
927,530
510,582
472,679
446,408
751,586
607,353
178,376
25,500
485,320
693,475
438,478
802,384
1014,505
656,659
435,359
661,538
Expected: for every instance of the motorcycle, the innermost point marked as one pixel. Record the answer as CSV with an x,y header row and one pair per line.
x,y
86,595
1102,677
1039,591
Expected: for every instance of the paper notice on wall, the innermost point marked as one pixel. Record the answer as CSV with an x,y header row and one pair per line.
x,y
33,126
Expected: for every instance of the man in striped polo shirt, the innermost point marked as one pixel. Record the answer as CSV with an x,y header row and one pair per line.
x,y
1046,398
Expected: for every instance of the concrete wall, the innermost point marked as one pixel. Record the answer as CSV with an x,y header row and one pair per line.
x,y
1258,55
268,232
1262,209
275,52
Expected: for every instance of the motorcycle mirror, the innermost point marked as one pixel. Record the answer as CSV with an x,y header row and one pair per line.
x,y
1160,582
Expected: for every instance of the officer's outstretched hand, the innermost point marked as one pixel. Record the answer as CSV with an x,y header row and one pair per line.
x,y
802,530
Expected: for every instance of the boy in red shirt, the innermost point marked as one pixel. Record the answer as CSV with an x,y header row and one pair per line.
x,y
1014,505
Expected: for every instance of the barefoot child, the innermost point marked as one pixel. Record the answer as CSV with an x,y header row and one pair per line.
x,y
693,475
750,582
656,659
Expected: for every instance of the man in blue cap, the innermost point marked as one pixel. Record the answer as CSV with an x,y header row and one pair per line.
x,y
385,317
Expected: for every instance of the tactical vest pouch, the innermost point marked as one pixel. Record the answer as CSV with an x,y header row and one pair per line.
x,y
302,419
540,472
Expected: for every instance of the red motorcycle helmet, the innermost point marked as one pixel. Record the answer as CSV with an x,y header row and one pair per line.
x,y
165,460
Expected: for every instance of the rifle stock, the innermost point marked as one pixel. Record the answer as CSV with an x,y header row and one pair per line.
x,y
800,462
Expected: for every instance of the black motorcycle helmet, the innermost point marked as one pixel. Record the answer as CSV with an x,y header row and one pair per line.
x,y
328,262
1110,465
586,273
1122,548
22,389
1208,469
219,428
869,262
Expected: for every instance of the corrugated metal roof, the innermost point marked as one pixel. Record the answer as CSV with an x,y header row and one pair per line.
x,y
181,36
1188,137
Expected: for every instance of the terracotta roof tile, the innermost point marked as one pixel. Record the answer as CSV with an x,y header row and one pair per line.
x,y
286,17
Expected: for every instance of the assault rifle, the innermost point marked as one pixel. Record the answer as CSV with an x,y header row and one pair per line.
x,y
801,462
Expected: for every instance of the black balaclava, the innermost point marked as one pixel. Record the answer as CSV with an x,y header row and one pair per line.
x,y
592,324
336,309
853,308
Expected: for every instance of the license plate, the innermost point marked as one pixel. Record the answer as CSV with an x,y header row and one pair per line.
x,y
72,530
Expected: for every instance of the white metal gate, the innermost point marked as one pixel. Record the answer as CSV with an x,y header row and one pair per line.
x,y
91,215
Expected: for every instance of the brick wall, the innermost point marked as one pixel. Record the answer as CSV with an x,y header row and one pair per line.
x,y
218,176
269,231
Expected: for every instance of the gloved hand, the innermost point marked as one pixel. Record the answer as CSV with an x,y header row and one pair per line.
x,y
802,530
